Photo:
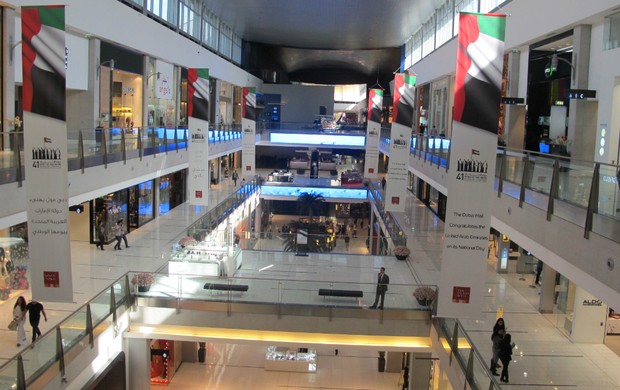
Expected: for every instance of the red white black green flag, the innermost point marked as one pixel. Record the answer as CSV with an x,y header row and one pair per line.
x,y
479,62
43,50
198,93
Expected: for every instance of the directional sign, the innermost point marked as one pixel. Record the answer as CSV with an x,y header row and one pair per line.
x,y
512,100
581,94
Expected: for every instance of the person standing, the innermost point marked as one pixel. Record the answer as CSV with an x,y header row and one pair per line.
x,y
35,309
383,182
235,176
19,315
382,281
505,355
539,269
101,233
118,234
497,339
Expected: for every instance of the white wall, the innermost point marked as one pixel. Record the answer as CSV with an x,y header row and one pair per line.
x,y
300,103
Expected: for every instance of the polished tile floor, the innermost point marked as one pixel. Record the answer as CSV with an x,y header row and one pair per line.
x,y
545,359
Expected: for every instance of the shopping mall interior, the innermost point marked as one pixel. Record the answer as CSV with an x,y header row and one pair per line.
x,y
243,209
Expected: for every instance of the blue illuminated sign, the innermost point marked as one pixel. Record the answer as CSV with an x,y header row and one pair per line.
x,y
338,193
318,139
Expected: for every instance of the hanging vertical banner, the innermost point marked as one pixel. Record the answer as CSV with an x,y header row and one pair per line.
x,y
400,140
472,164
198,115
164,77
248,123
45,150
373,133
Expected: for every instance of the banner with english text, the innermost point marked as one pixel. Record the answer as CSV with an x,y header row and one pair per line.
x,y
472,165
45,152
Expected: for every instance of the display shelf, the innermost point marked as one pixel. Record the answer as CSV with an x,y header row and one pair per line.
x,y
285,359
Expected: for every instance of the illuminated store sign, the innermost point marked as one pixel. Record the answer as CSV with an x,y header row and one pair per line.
x,y
318,139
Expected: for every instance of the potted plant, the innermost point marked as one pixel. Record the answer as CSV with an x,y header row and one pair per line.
x,y
425,295
401,252
143,280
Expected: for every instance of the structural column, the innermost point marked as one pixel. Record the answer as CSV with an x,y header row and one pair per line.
x,y
582,117
138,364
420,370
514,115
547,289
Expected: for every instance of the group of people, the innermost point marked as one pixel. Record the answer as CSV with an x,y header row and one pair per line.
x,y
34,310
120,233
502,350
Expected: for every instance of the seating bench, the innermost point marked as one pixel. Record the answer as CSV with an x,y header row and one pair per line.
x,y
328,292
226,287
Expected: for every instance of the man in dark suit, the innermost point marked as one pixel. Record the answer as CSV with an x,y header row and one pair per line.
x,y
382,281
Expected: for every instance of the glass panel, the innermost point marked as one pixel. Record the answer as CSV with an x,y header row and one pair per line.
x,y
541,174
482,376
73,328
8,375
574,183
611,37
100,307
609,191
41,356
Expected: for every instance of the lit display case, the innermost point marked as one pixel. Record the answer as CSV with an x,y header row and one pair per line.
x,y
286,359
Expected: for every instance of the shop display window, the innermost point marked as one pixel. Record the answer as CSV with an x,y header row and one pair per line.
x,y
110,208
13,261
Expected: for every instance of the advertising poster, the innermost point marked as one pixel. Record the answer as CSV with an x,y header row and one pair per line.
x,y
472,164
198,113
400,140
45,151
373,133
164,80
248,123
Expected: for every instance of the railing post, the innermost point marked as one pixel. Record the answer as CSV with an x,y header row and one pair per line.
x,y
432,150
448,157
185,131
454,343
113,305
21,374
553,192
166,140
176,139
104,147
502,174
469,373
153,138
18,159
592,201
89,326
524,178
123,146
60,354
81,150
140,151
425,148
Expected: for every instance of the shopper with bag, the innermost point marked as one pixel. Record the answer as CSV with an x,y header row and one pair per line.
x,y
19,316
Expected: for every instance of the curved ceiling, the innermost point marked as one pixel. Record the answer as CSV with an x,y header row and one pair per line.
x,y
359,36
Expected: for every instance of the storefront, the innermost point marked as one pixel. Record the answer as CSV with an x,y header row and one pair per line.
x,y
172,191
134,205
120,78
13,261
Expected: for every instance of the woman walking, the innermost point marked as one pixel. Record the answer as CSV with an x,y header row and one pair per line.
x,y
19,315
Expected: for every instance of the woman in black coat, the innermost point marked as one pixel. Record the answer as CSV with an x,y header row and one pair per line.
x,y
505,355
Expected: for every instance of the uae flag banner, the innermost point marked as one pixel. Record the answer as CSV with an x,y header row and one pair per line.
x,y
198,113
43,52
472,165
373,133
248,123
400,141
198,93
45,152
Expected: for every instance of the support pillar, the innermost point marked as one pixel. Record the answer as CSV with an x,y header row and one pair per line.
x,y
514,115
420,371
589,318
138,364
547,289
503,254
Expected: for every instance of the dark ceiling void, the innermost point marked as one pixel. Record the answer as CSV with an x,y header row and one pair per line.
x,y
285,64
